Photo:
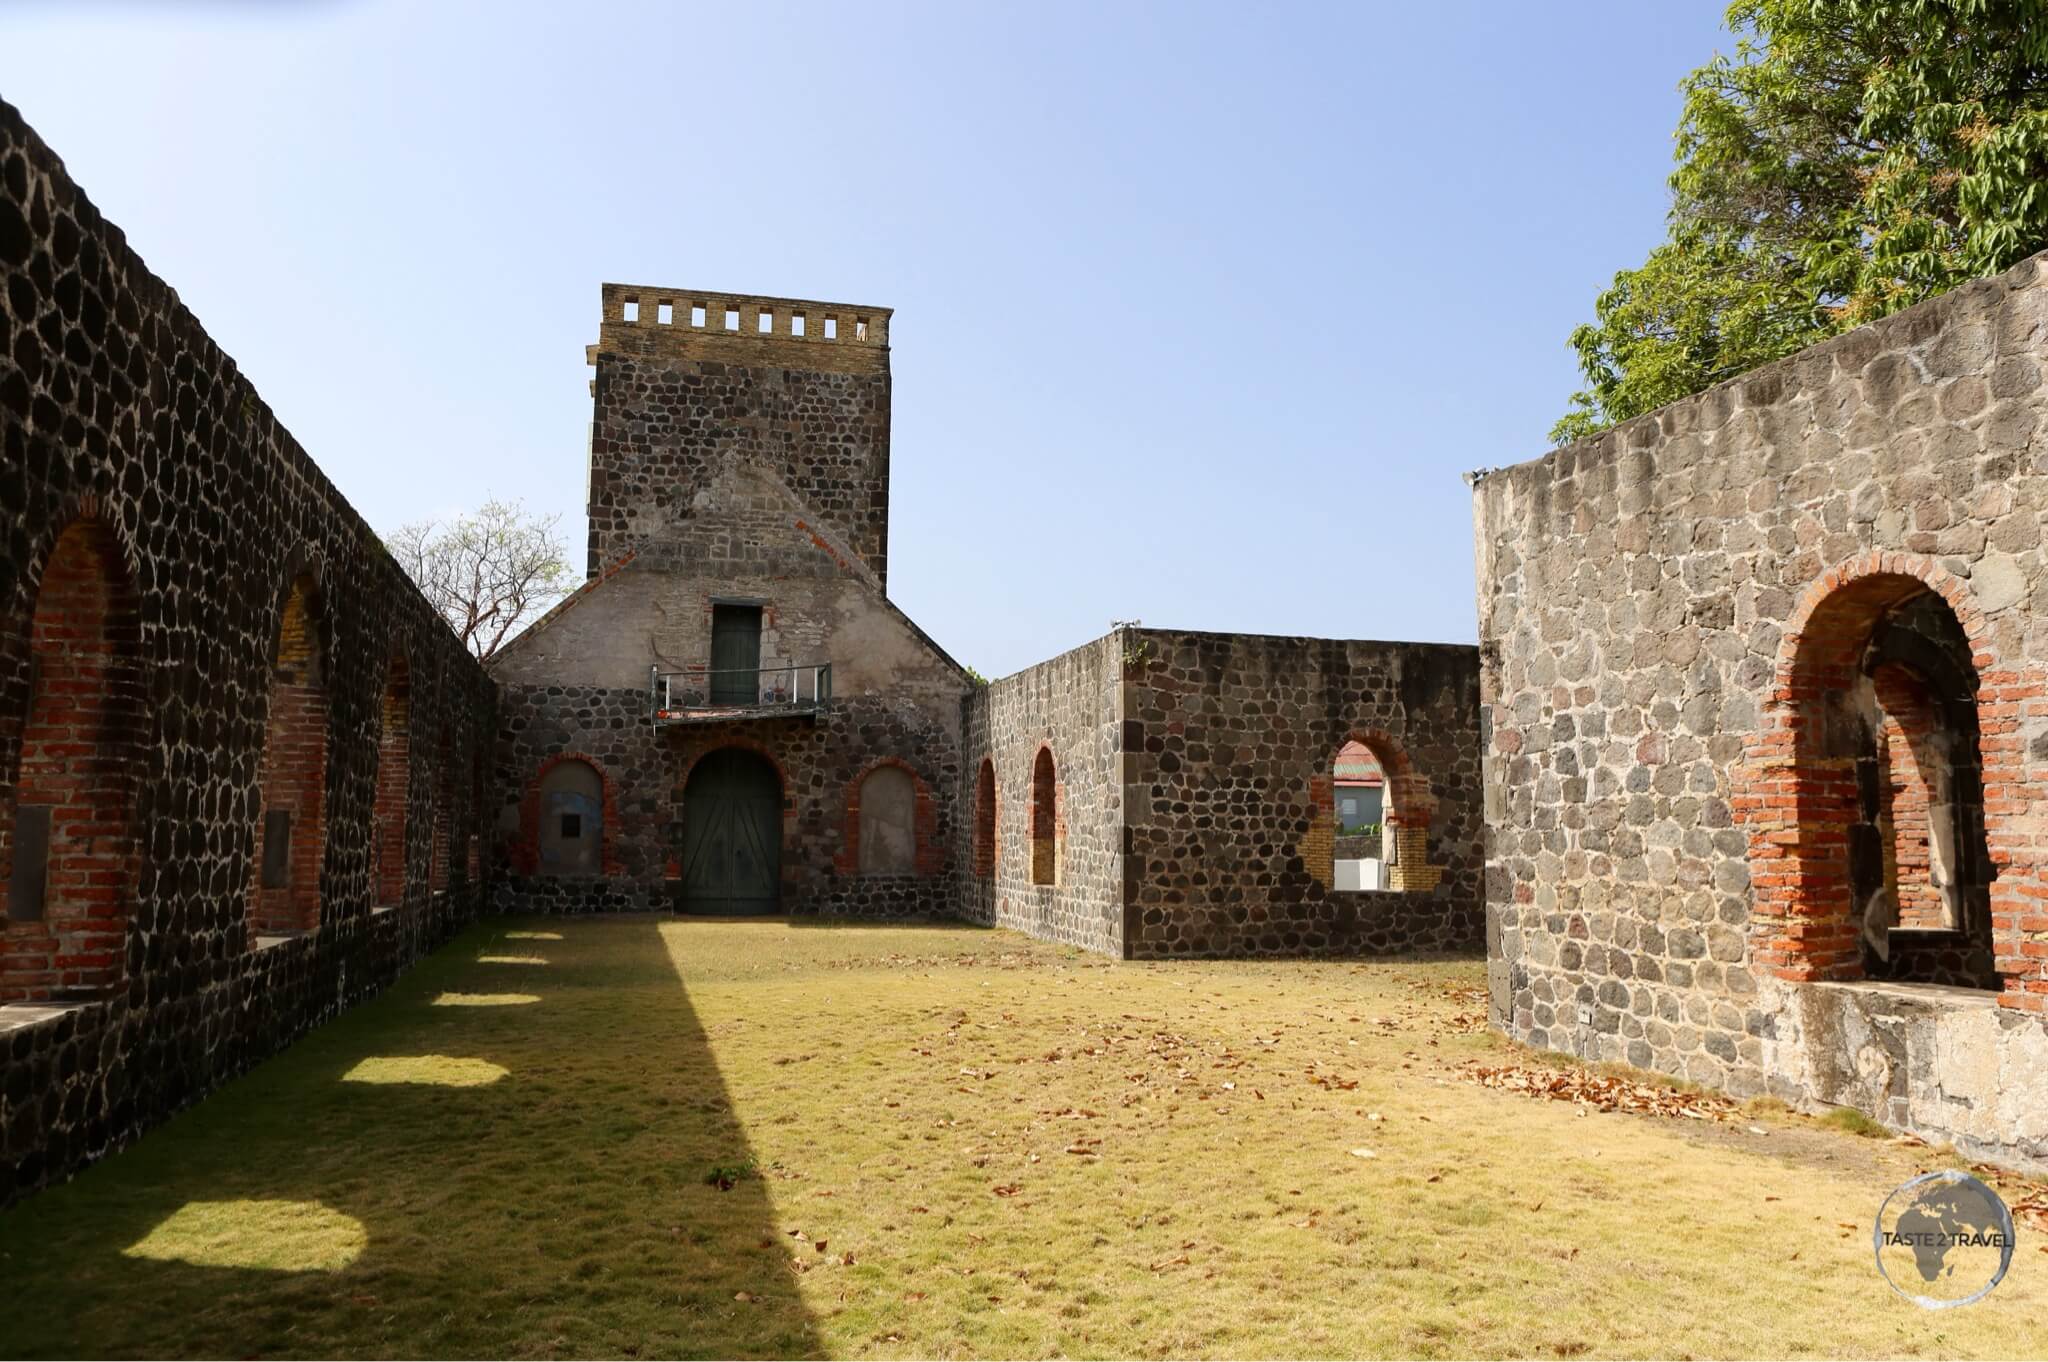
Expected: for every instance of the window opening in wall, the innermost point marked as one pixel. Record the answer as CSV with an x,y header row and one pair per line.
x,y
630,310
572,826
664,314
860,328
1887,748
831,328
284,886
766,324
1371,818
985,821
1044,819
67,835
1361,852
732,319
696,314
796,323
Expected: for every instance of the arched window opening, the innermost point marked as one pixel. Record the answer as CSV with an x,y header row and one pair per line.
x,y
1370,815
291,831
71,848
571,833
1363,850
985,822
887,819
394,781
1864,797
1044,820
1925,906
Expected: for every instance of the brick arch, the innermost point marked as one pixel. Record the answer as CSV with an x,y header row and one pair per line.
x,y
680,815
526,851
925,820
987,824
1865,586
1409,796
76,722
394,779
1796,798
1409,812
291,814
761,750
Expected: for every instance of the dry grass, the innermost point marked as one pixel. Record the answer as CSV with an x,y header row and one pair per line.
x,y
740,1138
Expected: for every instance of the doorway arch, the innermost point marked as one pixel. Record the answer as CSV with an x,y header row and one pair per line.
x,y
732,834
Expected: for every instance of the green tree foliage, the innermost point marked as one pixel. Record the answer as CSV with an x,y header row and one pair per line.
x,y
1851,158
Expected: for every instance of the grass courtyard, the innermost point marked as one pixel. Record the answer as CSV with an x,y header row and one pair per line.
x,y
641,1138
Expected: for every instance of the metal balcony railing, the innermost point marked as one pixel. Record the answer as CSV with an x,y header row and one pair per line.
x,y
707,695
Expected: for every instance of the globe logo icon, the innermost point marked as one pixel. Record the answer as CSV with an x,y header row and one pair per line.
x,y
1943,1239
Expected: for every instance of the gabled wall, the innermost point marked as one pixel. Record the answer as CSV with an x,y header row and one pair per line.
x,y
749,468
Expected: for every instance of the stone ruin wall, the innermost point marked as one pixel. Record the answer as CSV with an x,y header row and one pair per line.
x,y
694,380
1070,706
1194,795
1658,841
117,411
1230,740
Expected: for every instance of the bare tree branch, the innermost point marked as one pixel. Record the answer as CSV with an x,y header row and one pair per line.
x,y
490,573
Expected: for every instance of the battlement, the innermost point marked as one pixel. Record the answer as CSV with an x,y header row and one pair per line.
x,y
795,333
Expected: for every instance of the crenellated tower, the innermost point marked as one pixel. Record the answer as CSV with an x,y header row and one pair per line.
x,y
690,382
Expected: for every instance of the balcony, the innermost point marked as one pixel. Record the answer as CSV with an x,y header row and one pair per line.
x,y
702,695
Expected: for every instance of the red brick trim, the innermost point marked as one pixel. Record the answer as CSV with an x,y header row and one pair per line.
x,y
526,850
925,821
75,739
1409,798
788,876
297,739
987,822
1048,816
1796,804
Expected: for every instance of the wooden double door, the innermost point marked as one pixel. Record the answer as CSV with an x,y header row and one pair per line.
x,y
732,835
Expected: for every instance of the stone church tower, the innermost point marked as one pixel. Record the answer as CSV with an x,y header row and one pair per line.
x,y
730,715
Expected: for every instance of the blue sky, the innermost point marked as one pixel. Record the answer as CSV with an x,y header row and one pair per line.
x,y
1201,310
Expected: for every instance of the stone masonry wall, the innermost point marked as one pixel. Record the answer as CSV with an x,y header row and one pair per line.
x,y
737,466
1666,612
1072,707
118,412
1230,742
677,400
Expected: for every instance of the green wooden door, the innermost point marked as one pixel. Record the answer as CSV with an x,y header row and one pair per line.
x,y
732,835
735,654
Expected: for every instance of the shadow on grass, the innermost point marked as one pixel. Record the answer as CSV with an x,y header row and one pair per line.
x,y
563,1208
